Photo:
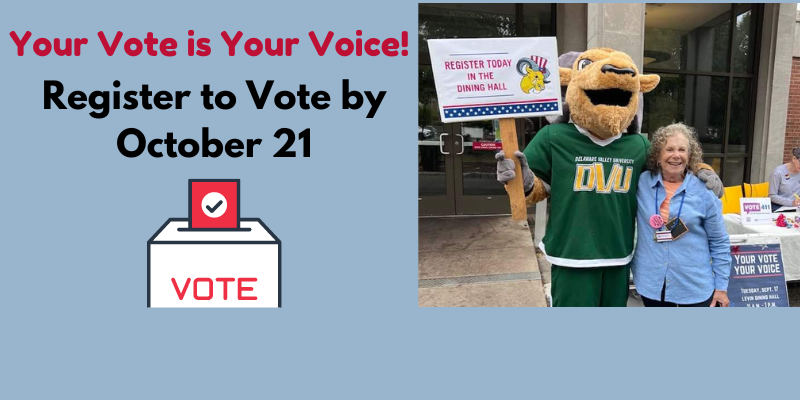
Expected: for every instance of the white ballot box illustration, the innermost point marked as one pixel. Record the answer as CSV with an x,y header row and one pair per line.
x,y
214,268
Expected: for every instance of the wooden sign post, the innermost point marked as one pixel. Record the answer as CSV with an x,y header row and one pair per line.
x,y
515,189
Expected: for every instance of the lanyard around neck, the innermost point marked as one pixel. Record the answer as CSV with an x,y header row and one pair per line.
x,y
665,196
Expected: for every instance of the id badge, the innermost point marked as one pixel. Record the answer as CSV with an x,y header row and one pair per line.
x,y
663,236
676,228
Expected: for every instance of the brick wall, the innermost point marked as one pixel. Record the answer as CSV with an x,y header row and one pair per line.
x,y
793,113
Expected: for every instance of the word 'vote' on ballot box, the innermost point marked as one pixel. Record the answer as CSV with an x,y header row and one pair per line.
x,y
214,268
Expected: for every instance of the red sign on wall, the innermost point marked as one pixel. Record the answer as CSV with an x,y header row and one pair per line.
x,y
487,146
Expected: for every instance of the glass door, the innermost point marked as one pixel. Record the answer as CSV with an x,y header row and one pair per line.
x,y
457,170
475,169
434,170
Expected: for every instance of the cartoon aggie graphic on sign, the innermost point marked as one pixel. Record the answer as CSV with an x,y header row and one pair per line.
x,y
214,258
534,72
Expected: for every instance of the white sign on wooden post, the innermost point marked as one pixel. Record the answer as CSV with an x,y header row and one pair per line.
x,y
482,79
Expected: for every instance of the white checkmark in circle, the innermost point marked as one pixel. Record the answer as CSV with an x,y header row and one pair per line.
x,y
210,201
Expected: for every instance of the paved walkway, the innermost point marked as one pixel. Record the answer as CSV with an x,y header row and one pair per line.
x,y
478,262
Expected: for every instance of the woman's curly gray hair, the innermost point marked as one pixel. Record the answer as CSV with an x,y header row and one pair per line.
x,y
659,140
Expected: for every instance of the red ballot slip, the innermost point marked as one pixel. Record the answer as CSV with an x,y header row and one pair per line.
x,y
213,203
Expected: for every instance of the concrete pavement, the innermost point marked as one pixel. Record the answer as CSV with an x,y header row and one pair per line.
x,y
478,262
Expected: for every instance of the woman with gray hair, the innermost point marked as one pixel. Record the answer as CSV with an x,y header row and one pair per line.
x,y
682,253
784,184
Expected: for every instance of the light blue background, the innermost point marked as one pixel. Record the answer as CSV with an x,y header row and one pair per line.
x,y
76,215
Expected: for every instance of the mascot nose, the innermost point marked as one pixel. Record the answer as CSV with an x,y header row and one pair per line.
x,y
621,71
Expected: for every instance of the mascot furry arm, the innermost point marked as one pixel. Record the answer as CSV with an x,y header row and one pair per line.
x,y
602,90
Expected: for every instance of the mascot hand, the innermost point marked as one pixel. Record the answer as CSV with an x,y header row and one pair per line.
x,y
712,181
505,170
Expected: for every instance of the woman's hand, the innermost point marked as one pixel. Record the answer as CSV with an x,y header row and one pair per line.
x,y
721,298
796,202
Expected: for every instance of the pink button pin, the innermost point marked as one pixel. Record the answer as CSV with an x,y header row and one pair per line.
x,y
656,221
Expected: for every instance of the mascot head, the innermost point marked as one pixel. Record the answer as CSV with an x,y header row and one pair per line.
x,y
603,88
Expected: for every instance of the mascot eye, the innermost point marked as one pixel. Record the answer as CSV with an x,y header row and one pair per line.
x,y
584,63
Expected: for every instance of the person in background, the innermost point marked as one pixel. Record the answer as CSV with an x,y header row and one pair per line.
x,y
682,255
784,184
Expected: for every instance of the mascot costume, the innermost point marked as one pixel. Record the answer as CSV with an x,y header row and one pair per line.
x,y
589,164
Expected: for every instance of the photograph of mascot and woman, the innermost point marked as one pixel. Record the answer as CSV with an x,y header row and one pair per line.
x,y
610,188
682,252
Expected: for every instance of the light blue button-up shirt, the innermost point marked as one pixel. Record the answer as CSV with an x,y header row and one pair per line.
x,y
695,264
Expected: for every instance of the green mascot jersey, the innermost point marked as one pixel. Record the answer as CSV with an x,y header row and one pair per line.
x,y
593,194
